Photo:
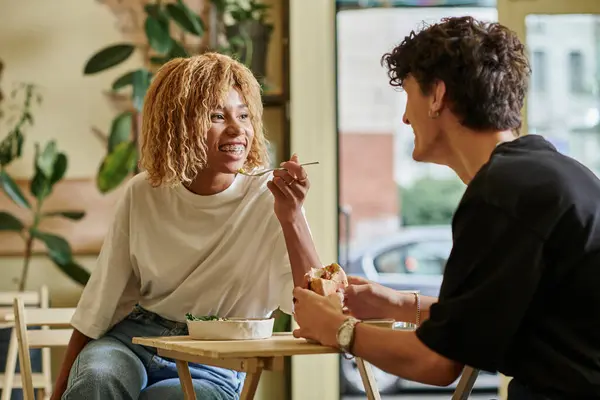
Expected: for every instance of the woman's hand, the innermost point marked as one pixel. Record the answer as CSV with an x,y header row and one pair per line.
x,y
289,187
319,317
368,300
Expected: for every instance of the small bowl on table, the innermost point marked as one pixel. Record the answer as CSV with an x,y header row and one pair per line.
x,y
231,329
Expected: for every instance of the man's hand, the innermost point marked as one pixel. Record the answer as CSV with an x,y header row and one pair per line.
x,y
368,300
319,317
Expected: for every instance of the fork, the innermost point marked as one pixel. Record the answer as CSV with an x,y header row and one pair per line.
x,y
266,171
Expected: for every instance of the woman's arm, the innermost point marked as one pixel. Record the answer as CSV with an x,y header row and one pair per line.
x,y
300,247
290,187
76,344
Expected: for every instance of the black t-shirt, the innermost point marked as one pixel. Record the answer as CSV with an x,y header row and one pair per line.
x,y
521,288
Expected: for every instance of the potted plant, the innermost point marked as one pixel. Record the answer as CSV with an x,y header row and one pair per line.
x,y
245,32
50,167
171,29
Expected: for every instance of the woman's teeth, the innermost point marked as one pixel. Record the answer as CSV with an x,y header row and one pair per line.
x,y
232,148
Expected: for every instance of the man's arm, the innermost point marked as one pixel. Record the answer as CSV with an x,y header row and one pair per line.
x,y
371,300
401,353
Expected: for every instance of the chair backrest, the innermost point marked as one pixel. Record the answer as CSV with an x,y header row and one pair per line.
x,y
465,384
30,299
27,339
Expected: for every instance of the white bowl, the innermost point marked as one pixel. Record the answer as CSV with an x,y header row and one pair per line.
x,y
232,329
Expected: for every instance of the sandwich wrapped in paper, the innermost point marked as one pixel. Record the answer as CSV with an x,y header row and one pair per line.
x,y
328,280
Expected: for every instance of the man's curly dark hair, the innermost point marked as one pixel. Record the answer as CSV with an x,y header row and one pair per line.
x,y
483,65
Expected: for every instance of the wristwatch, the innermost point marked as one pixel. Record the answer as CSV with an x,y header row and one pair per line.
x,y
345,335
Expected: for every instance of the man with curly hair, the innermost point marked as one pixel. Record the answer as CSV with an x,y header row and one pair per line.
x,y
190,235
520,288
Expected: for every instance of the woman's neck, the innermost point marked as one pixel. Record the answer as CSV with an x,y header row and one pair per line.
x,y
208,183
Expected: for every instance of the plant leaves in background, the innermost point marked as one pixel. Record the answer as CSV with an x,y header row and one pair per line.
x,y
108,57
59,249
73,215
158,37
220,5
60,253
60,167
45,160
177,51
120,131
123,81
42,183
160,60
11,147
185,18
116,166
9,222
74,271
141,81
12,190
159,13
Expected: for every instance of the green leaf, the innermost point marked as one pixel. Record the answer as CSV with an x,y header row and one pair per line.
x,y
116,166
12,190
123,81
58,248
60,253
9,222
186,18
120,130
60,167
45,160
11,147
74,271
158,37
41,184
74,215
141,82
159,60
178,51
108,58
158,12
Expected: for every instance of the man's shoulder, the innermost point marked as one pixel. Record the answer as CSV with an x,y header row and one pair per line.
x,y
535,185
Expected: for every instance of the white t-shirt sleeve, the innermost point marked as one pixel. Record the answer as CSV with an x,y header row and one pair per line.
x,y
113,288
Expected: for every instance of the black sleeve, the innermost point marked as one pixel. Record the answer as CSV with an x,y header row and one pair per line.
x,y
490,279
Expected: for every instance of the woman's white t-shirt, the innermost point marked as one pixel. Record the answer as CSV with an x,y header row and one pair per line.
x,y
174,252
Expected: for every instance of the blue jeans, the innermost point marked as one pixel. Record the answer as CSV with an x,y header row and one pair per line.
x,y
113,368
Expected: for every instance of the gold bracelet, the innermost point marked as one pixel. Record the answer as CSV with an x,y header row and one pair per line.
x,y
418,301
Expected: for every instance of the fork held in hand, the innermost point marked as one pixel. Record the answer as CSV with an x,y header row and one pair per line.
x,y
266,171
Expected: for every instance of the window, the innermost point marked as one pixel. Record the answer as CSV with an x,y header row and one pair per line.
x,y
576,72
420,258
539,65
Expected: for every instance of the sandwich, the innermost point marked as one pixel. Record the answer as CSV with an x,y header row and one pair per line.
x,y
327,280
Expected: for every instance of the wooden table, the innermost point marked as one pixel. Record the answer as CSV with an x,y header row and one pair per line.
x,y
249,356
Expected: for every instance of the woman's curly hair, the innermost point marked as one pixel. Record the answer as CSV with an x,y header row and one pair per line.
x,y
483,65
176,115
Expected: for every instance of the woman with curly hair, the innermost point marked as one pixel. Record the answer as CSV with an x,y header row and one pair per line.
x,y
190,235
520,288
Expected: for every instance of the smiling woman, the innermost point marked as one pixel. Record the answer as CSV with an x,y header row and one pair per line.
x,y
190,236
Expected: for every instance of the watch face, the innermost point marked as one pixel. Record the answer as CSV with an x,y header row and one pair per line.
x,y
346,335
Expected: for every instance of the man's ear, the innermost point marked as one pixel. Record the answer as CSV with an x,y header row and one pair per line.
x,y
438,95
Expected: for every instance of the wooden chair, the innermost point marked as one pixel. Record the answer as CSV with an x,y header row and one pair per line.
x,y
11,380
465,384
44,338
